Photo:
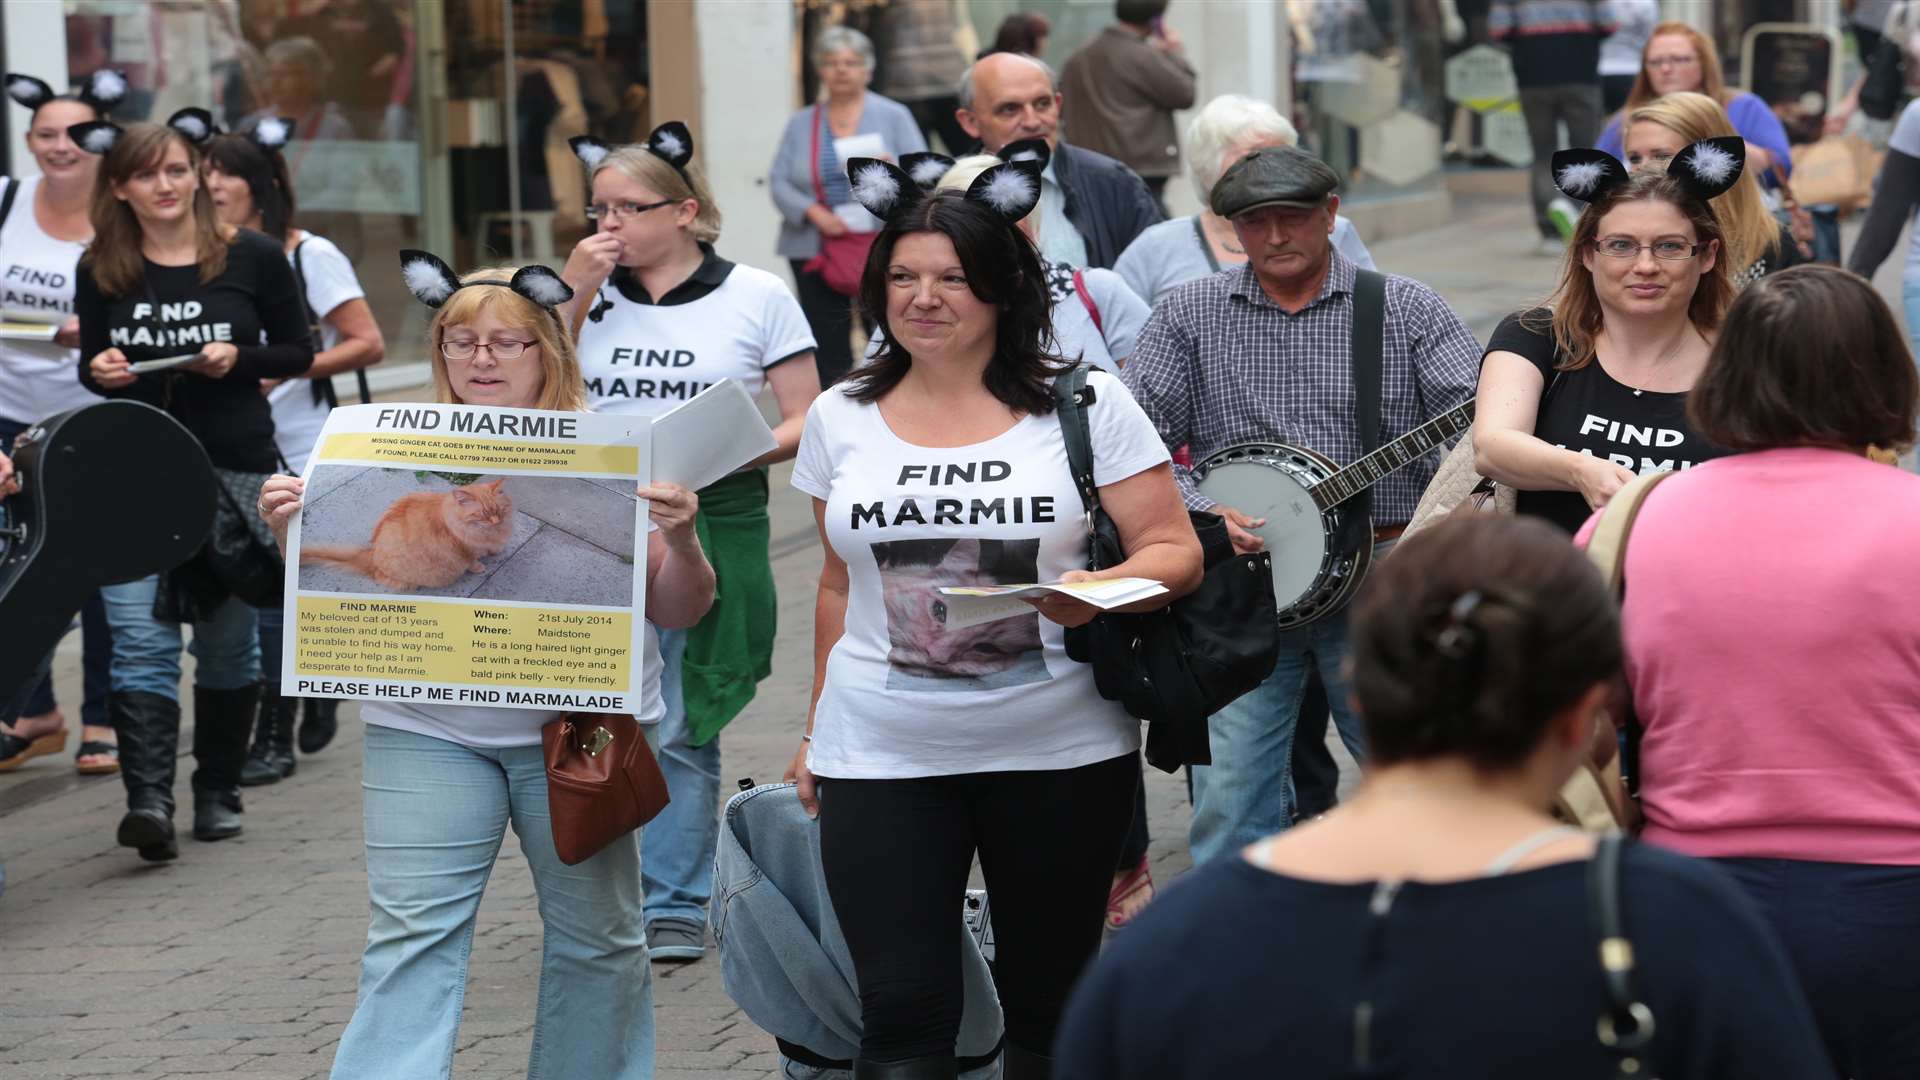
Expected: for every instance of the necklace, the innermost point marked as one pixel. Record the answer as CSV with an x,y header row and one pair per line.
x,y
1654,369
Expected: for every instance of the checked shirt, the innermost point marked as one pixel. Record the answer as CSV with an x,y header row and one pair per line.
x,y
1220,364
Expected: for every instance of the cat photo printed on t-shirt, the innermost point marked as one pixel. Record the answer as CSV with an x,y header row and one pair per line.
x,y
926,654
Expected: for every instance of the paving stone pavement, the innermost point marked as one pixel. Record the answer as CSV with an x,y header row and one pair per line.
x,y
240,959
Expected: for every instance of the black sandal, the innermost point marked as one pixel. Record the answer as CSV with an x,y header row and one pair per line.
x,y
95,748
16,751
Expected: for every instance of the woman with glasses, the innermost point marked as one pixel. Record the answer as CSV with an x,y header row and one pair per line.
x,y
1678,57
661,316
809,181
1579,396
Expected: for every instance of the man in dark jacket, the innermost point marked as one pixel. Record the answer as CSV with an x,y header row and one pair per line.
x,y
1091,206
1122,88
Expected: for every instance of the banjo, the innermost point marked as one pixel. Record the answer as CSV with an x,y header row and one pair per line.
x,y
1301,494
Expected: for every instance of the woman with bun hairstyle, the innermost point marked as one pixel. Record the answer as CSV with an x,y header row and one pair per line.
x,y
443,782
246,176
1436,924
44,227
661,316
165,280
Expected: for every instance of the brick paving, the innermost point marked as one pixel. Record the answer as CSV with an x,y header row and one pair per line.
x,y
241,958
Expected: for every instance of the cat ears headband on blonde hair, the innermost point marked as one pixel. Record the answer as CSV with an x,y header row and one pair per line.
x,y
1707,169
98,136
104,89
431,281
926,167
1010,189
671,142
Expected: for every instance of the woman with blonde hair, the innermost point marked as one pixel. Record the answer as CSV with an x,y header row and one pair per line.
x,y
1655,133
442,782
1678,57
1580,394
661,317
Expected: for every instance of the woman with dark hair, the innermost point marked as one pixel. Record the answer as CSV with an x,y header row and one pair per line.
x,y
1023,32
938,464
1774,657
1435,925
1578,396
165,280
246,176
43,230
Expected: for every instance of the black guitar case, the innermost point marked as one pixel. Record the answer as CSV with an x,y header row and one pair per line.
x,y
110,493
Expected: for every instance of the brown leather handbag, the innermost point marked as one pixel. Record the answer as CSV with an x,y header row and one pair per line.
x,y
602,781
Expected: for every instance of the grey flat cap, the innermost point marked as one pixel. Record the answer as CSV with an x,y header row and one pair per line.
x,y
1276,176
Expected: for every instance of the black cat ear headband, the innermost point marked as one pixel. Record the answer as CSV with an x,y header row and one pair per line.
x,y
104,89
98,136
1010,189
431,281
1707,169
671,142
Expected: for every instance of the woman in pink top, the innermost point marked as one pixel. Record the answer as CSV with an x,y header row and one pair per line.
x,y
1774,650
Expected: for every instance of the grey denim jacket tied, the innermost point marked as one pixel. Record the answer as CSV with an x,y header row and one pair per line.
x,y
783,959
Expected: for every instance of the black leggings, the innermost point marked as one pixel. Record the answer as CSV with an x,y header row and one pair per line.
x,y
830,317
896,855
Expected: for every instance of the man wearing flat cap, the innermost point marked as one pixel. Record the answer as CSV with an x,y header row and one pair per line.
x,y
1263,353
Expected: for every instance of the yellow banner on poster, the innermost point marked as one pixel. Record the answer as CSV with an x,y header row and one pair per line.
x,y
482,455
364,640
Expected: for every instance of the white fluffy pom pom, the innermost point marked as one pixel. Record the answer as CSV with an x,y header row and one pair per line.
x,y
99,140
427,282
1580,178
543,287
591,154
669,145
271,132
875,188
23,89
108,86
191,126
1710,164
1008,191
928,171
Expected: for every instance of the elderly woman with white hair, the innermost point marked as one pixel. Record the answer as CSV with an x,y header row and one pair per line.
x,y
809,183
1175,252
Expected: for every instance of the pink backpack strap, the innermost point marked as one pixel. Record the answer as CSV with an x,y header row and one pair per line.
x,y
1086,300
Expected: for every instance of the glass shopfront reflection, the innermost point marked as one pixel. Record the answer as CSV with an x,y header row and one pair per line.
x,y
440,124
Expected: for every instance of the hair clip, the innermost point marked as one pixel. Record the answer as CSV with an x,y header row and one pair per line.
x,y
194,124
103,90
432,281
1456,640
926,168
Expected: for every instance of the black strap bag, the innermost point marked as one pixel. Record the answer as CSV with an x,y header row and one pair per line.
x,y
1885,84
1177,666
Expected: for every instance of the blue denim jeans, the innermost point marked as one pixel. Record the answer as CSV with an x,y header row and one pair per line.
x,y
146,651
435,815
676,855
1247,792
272,622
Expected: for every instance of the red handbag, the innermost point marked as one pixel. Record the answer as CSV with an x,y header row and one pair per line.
x,y
602,781
842,259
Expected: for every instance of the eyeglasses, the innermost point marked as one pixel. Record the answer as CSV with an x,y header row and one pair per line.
x,y
1620,247
505,349
621,211
1672,61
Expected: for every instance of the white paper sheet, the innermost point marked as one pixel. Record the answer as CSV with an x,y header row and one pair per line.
x,y
28,331
709,437
853,146
968,605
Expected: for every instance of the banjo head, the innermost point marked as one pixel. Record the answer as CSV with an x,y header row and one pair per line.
x,y
1311,575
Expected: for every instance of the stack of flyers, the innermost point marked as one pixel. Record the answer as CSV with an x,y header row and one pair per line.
x,y
968,605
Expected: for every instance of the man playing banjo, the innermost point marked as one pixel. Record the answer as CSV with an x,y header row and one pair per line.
x,y
1265,354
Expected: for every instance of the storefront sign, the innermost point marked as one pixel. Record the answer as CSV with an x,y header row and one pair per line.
x,y
1400,149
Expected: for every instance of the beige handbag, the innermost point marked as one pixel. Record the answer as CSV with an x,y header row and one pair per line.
x,y
1595,797
1458,489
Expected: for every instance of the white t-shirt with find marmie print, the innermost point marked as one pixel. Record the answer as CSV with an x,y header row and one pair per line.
x,y
906,696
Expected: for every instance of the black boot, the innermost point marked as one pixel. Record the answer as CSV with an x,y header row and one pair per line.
x,y
271,759
221,721
926,1068
149,730
319,718
1019,1064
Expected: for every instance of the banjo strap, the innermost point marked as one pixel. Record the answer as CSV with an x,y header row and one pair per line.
x,y
1369,342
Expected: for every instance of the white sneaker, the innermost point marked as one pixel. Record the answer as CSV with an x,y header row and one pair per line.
x,y
1565,215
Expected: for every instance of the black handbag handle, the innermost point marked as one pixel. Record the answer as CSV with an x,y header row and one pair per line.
x,y
1626,1027
1071,396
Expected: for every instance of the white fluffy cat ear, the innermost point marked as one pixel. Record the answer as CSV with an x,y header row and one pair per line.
x,y
1710,167
672,143
195,124
1034,150
1585,174
1011,190
880,186
28,91
95,136
589,150
105,89
926,167
271,132
541,285
428,279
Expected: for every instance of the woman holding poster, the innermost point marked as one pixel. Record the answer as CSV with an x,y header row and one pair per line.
x,y
188,315
662,317
940,464
444,781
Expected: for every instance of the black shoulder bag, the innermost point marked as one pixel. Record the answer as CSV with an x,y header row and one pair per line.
x,y
323,387
1177,666
1626,1026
